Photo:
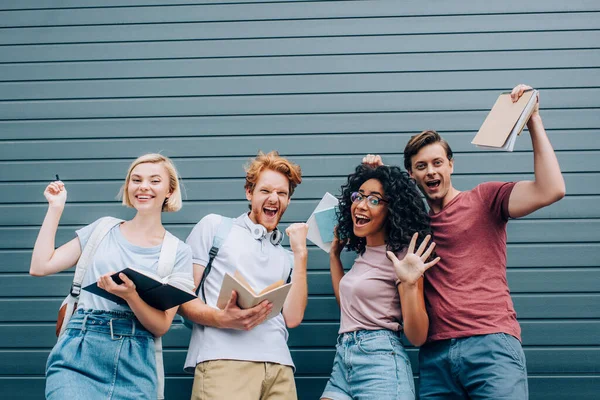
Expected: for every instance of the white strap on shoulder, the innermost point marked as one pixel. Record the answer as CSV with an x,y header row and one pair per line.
x,y
103,227
168,253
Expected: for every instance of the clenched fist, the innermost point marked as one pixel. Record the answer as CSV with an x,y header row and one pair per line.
x,y
297,233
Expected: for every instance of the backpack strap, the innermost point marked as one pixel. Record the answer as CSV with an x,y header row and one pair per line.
x,y
87,255
101,230
166,262
218,240
168,254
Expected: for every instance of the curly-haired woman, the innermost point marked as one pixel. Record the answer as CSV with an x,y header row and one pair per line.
x,y
381,217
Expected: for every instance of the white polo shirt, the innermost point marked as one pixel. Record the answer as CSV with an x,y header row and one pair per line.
x,y
261,263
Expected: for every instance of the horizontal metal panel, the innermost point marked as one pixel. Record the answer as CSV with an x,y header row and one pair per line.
x,y
62,4
455,121
289,145
270,10
557,306
284,104
543,255
567,280
312,166
233,189
401,25
179,388
519,231
499,41
576,207
319,335
319,361
462,81
497,61
526,305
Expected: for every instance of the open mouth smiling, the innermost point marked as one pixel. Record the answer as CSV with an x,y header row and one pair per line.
x,y
270,211
361,220
433,184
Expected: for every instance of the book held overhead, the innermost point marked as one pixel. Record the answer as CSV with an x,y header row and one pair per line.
x,y
505,121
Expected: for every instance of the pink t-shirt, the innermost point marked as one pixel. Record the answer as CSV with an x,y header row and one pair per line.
x,y
369,298
466,293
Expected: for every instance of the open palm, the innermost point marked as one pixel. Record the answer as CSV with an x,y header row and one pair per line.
x,y
413,265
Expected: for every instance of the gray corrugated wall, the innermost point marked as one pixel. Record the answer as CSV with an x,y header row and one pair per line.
x,y
86,86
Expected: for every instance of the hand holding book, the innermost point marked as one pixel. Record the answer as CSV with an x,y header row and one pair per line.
x,y
322,222
507,119
247,297
160,293
233,317
119,285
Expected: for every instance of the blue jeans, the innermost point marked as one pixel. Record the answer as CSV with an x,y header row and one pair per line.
x,y
476,367
102,355
370,365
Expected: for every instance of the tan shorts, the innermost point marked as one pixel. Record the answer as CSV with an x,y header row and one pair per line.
x,y
243,380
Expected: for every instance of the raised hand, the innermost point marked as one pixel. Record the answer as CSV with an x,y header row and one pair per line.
x,y
518,91
372,160
297,233
233,317
411,268
56,194
337,245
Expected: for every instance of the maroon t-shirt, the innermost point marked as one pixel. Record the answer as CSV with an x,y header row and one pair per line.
x,y
467,292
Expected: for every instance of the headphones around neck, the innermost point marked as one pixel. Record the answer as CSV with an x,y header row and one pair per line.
x,y
259,232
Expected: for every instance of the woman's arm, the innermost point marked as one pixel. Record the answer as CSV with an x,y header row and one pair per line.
x,y
409,272
414,314
335,264
156,321
45,260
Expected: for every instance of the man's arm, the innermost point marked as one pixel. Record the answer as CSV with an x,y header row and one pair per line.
x,y
295,304
548,185
231,317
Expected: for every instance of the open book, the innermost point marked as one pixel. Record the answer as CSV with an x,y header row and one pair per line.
x,y
505,121
322,222
275,293
160,293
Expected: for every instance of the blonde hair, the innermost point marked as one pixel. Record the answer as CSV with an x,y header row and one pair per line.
x,y
275,162
173,202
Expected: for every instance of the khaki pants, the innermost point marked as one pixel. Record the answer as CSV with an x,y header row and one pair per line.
x,y
243,380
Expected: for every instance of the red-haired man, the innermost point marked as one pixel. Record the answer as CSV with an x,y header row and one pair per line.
x,y
235,353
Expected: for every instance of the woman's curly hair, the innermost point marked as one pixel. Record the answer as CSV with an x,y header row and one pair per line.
x,y
406,210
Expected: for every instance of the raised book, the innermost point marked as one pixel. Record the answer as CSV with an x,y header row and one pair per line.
x,y
322,222
160,293
247,297
505,121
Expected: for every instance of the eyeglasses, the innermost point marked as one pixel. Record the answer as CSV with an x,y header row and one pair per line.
x,y
372,200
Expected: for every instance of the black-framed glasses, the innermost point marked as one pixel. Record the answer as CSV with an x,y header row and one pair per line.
x,y
372,200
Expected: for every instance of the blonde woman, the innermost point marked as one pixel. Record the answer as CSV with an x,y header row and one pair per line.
x,y
107,350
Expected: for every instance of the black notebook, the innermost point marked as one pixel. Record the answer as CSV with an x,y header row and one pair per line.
x,y
157,292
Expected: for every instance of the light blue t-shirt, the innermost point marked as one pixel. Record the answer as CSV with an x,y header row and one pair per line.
x,y
115,253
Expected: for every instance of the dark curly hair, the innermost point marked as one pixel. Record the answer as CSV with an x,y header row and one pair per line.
x,y
406,210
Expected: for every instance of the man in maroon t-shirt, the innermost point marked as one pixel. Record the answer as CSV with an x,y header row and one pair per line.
x,y
473,348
